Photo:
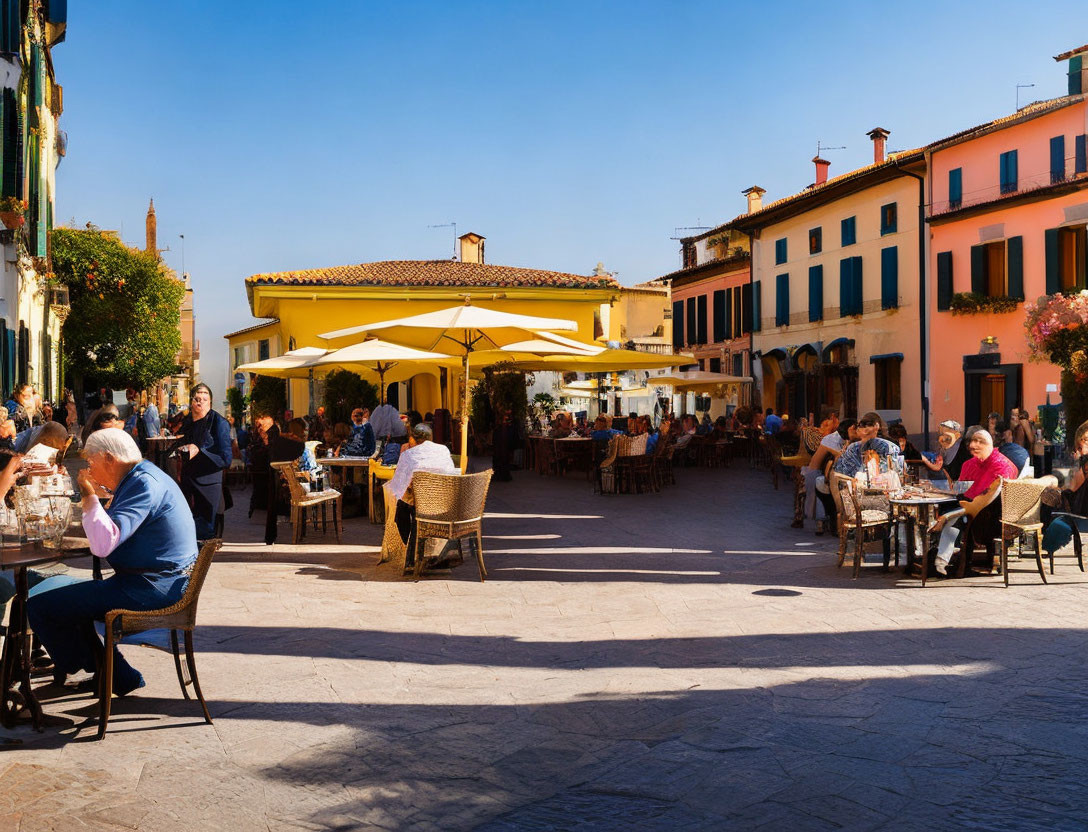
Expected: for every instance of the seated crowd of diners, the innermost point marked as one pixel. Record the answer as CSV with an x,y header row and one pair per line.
x,y
969,461
683,428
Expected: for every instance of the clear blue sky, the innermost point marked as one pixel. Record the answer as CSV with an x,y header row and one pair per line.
x,y
279,135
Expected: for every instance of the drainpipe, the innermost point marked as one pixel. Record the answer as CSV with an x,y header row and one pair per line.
x,y
923,306
751,332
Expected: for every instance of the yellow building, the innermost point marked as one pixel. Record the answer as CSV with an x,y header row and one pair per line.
x,y
303,304
641,317
835,288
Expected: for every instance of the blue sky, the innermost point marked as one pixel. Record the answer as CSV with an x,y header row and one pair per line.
x,y
279,135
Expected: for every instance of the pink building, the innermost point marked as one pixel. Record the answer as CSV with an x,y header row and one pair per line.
x,y
1008,216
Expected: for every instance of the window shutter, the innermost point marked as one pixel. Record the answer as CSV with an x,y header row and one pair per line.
x,y
845,292
24,354
848,231
857,286
690,325
1053,262
1080,162
889,278
738,311
700,318
677,324
978,269
944,280
6,382
719,315
780,251
782,300
955,188
1057,159
815,293
1016,267
756,306
10,30
727,316
1074,75
20,152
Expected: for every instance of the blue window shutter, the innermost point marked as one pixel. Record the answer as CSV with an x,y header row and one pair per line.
x,y
944,280
700,319
848,231
1075,64
780,251
757,306
1053,262
955,188
857,286
889,218
677,324
889,277
978,269
845,282
719,316
1015,252
1080,163
782,300
1057,159
815,293
1008,171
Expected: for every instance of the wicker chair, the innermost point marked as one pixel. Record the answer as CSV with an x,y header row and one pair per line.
x,y
855,518
179,616
606,468
303,503
1020,516
450,507
393,548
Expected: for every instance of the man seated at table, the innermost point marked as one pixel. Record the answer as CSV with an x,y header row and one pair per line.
x,y
1015,453
602,429
982,470
147,536
52,434
953,449
421,455
562,426
852,459
362,442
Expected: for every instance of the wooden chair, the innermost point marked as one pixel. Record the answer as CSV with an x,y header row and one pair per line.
x,y
180,616
855,519
450,507
810,441
303,503
1021,516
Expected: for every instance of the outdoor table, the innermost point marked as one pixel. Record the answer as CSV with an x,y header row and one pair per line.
x,y
921,508
15,663
158,447
345,464
578,449
377,472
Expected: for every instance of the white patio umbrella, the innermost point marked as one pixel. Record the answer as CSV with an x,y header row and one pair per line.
x,y
298,363
381,357
462,330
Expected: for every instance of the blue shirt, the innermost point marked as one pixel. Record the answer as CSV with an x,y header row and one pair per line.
x,y
151,420
307,462
852,459
604,435
1017,455
158,536
651,442
772,424
362,442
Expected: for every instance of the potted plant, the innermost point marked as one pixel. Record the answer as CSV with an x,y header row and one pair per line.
x,y
11,211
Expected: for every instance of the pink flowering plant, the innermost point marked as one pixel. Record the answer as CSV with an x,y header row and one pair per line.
x,y
1057,331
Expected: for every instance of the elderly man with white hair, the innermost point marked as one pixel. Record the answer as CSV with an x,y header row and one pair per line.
x,y
982,470
148,537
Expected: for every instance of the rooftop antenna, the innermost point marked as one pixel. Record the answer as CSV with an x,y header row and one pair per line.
x,y
182,254
820,148
1018,88
678,236
452,225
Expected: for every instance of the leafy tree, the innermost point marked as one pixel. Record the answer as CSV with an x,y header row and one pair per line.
x,y
237,404
345,391
123,327
269,395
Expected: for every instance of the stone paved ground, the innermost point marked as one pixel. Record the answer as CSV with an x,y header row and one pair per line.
x,y
674,661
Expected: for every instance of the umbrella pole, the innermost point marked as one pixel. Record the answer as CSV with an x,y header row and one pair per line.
x,y
381,384
310,393
464,419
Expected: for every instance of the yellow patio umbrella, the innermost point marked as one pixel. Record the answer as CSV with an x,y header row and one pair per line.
x,y
605,361
701,381
460,330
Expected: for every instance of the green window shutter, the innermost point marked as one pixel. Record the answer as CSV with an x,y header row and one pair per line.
x,y
1080,154
1053,262
700,319
20,152
738,310
944,280
728,330
11,145
782,300
757,306
889,277
978,269
780,252
1016,267
815,293
10,30
718,303
955,188
889,218
677,324
845,282
690,325
1074,75
848,231
1057,159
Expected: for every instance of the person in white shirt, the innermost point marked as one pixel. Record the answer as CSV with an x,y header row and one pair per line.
x,y
386,422
421,455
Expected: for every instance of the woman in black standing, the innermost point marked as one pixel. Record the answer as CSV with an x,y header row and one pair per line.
x,y
204,458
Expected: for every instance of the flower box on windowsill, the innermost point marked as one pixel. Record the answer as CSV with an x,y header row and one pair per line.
x,y
972,303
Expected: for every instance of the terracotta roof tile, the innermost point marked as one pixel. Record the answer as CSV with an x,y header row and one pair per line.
x,y
1025,113
433,273
252,328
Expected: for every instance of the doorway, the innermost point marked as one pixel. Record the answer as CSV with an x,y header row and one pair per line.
x,y
991,390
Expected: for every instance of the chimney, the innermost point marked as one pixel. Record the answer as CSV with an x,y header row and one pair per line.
x,y
755,198
471,248
879,136
152,247
821,169
1078,69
